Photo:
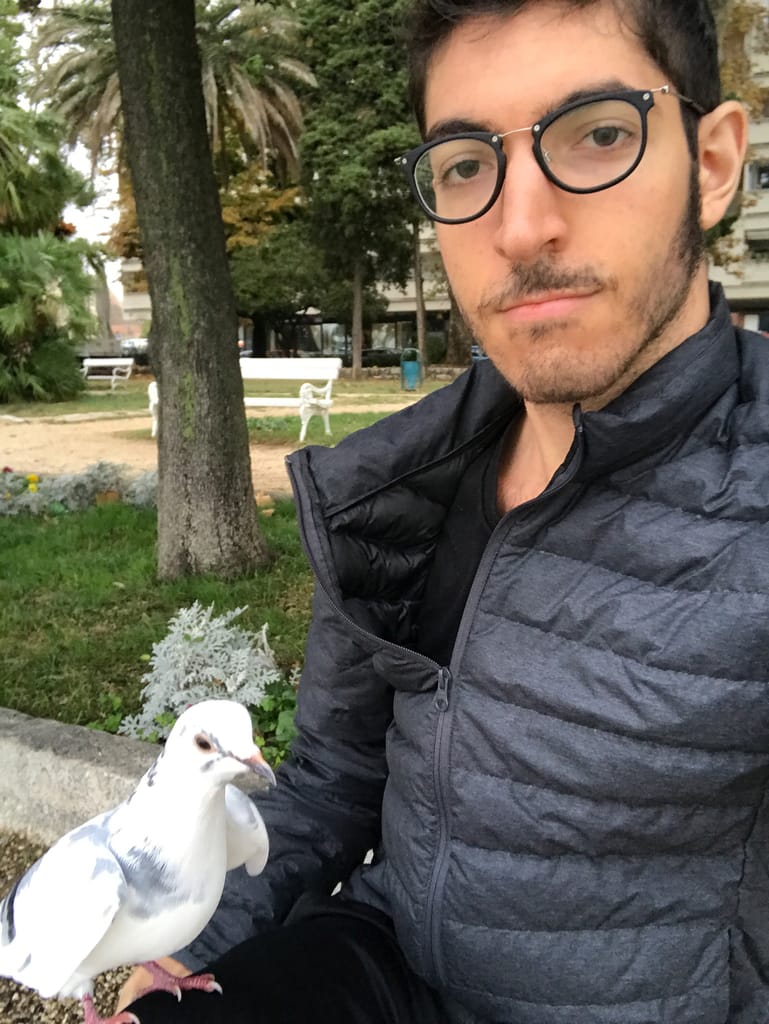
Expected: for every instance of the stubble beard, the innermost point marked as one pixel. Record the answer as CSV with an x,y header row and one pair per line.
x,y
556,374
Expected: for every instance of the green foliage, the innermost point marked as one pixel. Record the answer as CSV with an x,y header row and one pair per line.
x,y
44,316
286,273
436,346
44,282
251,72
253,206
273,719
355,127
280,276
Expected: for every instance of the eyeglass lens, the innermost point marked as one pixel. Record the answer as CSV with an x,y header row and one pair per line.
x,y
587,147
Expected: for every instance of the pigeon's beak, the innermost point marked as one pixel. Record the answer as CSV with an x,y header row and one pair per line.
x,y
259,766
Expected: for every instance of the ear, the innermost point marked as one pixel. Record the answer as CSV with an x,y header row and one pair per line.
x,y
723,139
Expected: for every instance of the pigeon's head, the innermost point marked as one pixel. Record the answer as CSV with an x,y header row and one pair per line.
x,y
215,738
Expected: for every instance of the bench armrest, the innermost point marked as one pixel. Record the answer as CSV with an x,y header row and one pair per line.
x,y
308,392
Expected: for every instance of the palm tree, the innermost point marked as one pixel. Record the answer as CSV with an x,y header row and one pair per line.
x,y
249,78
250,75
78,79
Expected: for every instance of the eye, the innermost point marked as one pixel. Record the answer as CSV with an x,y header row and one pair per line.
x,y
202,743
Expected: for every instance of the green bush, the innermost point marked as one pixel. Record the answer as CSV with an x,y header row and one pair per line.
x,y
435,348
45,316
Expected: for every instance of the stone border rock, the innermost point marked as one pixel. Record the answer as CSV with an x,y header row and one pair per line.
x,y
54,777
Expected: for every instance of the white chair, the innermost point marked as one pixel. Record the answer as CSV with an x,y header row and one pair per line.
x,y
154,397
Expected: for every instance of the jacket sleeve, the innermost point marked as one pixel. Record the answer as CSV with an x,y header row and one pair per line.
x,y
325,812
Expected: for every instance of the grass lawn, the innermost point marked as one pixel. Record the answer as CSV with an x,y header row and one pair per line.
x,y
132,396
80,608
284,430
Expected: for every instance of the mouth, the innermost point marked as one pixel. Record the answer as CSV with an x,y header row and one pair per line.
x,y
547,305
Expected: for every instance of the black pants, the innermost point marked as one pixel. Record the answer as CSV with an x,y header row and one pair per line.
x,y
336,963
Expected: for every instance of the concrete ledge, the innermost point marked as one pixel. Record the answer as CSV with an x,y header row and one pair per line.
x,y
54,777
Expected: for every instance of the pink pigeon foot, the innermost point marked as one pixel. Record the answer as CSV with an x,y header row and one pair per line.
x,y
92,1017
164,981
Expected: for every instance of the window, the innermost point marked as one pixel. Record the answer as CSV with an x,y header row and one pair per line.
x,y
758,248
757,175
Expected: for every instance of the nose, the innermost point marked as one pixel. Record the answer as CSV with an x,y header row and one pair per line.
x,y
529,210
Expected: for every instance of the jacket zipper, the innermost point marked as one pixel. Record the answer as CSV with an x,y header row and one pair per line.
x,y
440,782
432,927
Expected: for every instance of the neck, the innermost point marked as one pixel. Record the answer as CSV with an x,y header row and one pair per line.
x,y
539,447
533,454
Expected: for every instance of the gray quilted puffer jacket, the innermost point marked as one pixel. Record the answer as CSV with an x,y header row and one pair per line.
x,y
571,817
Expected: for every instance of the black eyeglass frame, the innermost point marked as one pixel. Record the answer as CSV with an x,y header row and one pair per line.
x,y
641,99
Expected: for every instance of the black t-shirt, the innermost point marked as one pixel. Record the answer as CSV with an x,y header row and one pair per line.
x,y
466,531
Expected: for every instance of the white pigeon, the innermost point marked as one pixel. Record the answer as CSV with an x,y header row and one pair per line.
x,y
142,880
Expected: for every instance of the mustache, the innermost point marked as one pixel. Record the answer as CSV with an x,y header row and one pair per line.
x,y
540,277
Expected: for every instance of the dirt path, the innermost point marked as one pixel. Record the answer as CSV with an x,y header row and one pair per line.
x,y
66,444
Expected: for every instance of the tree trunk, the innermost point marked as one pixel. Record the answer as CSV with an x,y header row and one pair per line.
x,y
357,320
206,509
419,296
460,339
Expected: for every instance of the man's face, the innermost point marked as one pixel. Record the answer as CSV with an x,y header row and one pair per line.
x,y
572,296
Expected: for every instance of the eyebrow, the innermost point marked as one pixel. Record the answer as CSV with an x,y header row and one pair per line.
x,y
459,125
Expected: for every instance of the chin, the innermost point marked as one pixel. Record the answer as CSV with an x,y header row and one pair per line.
x,y
566,372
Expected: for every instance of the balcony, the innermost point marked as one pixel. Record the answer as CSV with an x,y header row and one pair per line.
x,y
754,216
137,306
752,283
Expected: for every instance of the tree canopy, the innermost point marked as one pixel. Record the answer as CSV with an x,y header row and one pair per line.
x,y
250,72
357,123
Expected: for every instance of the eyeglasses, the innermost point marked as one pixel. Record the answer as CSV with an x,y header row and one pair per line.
x,y
584,146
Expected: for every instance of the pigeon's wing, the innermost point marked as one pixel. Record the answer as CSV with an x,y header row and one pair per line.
x,y
247,841
60,909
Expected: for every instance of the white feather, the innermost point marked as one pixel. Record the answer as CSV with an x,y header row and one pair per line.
x,y
247,840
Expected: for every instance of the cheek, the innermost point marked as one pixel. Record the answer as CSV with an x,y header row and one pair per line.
x,y
469,259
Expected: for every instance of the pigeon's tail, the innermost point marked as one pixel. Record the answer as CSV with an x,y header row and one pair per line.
x,y
8,952
7,923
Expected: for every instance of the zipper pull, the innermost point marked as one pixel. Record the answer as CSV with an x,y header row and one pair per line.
x,y
442,693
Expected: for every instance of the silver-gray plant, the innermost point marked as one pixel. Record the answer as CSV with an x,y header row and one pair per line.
x,y
201,656
74,492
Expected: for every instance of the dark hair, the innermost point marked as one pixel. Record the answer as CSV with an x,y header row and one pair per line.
x,y
678,35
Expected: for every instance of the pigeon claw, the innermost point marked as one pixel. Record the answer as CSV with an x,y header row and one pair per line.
x,y
201,982
164,981
91,1016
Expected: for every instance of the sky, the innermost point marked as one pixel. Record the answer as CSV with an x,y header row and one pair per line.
x,y
95,222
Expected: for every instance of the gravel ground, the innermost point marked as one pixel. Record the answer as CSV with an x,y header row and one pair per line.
x,y
20,1005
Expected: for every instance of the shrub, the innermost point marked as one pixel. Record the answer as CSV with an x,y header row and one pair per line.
x,y
204,656
73,492
45,316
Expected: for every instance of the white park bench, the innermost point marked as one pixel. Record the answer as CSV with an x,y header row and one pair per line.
x,y
311,400
113,370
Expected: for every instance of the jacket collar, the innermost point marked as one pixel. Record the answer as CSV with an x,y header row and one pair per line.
x,y
667,401
664,403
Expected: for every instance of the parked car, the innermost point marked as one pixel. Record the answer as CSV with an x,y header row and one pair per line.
x,y
134,346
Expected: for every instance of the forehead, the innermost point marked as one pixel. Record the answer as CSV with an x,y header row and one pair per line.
x,y
509,69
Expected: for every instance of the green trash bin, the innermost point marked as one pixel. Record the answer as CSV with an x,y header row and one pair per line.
x,y
411,369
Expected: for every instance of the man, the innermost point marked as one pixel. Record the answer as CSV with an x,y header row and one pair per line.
x,y
536,679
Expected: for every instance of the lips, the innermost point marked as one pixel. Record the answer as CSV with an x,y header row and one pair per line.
x,y
548,305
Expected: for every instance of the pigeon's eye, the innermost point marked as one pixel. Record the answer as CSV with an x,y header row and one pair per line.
x,y
203,744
